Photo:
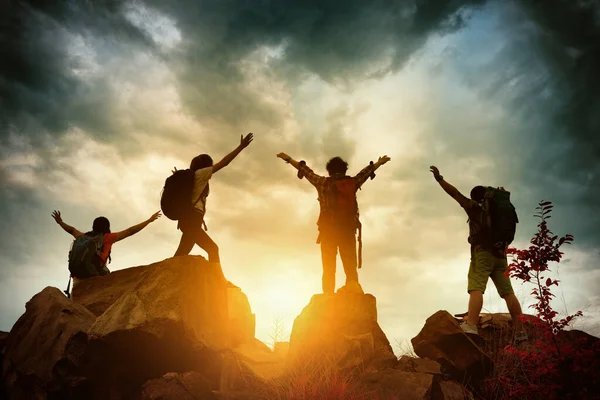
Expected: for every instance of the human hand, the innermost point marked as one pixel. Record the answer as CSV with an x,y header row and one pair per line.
x,y
174,170
154,216
57,217
435,172
382,160
245,141
284,157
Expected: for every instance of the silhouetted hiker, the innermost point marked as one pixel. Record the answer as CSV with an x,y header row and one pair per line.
x,y
339,216
492,225
91,250
184,200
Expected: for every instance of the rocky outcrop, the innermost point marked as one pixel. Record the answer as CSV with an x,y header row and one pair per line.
x,y
340,328
43,351
461,355
148,331
242,322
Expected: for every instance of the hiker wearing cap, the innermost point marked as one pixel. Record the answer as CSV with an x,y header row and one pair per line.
x,y
338,220
492,225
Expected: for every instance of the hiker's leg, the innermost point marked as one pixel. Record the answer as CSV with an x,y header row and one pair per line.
x,y
207,244
479,271
505,290
328,255
347,244
514,308
475,306
185,244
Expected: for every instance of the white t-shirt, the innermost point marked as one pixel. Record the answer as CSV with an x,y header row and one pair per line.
x,y
202,176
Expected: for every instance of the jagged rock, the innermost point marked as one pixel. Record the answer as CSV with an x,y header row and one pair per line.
x,y
43,350
261,360
342,328
173,318
248,367
442,340
450,390
177,386
242,323
423,365
393,383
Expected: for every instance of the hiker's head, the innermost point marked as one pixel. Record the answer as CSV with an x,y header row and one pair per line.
x,y
336,166
477,193
201,161
101,225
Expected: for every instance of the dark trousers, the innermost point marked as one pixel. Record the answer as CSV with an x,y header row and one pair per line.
x,y
191,234
331,241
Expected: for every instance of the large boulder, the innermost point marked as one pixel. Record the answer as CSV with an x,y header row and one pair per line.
x,y
43,351
460,354
174,317
342,328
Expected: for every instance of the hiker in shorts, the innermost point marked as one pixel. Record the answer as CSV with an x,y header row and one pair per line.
x,y
338,220
488,258
191,225
100,226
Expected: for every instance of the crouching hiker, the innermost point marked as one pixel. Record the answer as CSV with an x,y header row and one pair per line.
x,y
90,251
338,220
184,200
492,225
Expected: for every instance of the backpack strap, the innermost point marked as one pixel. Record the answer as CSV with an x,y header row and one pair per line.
x,y
68,291
359,245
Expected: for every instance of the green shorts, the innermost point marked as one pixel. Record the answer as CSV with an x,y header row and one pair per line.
x,y
485,265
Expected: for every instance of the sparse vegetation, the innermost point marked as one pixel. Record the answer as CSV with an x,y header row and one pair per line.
x,y
551,365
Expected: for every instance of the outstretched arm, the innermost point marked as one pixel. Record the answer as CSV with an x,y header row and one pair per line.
x,y
68,228
132,230
308,173
364,174
451,190
244,142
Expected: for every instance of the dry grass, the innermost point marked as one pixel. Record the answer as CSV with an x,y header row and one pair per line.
x,y
318,381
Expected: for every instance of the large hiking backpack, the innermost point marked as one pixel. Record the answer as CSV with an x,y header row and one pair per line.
x,y
175,201
84,257
500,216
342,207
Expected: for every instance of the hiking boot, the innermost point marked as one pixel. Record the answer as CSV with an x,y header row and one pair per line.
x,y
521,336
468,328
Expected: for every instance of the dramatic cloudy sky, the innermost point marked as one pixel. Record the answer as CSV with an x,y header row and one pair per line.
x,y
99,100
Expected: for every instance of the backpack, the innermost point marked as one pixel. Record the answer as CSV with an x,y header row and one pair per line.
x,y
84,256
500,216
342,207
175,199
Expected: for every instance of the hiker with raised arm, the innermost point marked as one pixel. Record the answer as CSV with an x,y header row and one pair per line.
x,y
90,251
339,220
184,200
492,225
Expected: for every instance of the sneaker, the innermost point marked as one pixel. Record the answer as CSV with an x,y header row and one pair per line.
x,y
521,336
468,328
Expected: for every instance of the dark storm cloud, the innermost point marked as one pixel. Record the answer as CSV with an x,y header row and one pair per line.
x,y
39,91
543,88
338,41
